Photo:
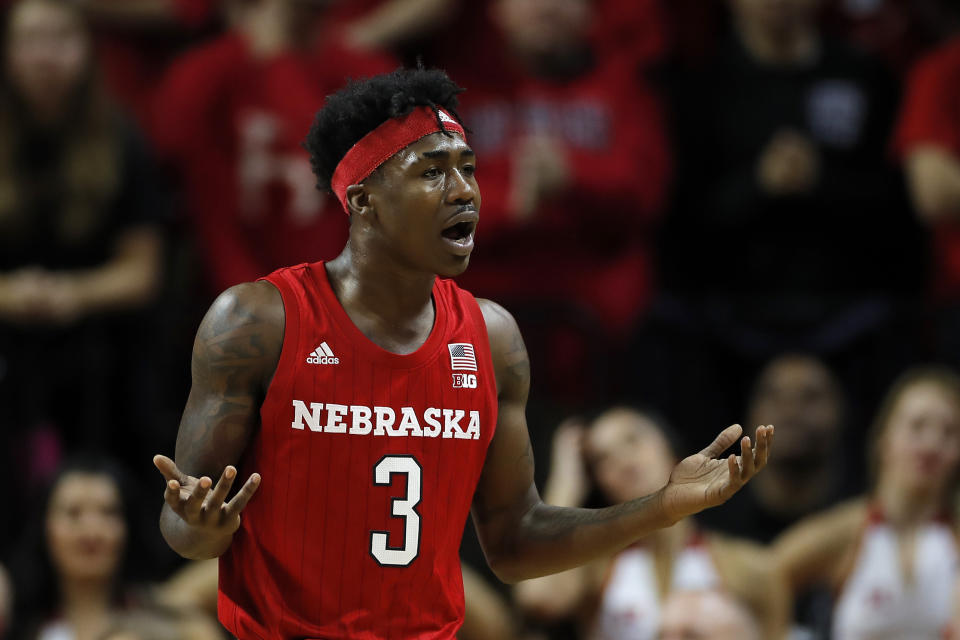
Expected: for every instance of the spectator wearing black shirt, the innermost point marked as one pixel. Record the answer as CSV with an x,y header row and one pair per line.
x,y
80,240
790,228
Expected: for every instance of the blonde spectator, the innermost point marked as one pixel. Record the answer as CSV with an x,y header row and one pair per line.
x,y
892,555
627,455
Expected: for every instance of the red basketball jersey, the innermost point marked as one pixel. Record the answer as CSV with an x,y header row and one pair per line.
x,y
369,462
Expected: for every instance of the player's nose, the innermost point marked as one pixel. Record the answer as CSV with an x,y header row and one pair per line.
x,y
461,190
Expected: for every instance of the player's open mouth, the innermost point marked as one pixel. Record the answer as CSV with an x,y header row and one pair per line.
x,y
458,232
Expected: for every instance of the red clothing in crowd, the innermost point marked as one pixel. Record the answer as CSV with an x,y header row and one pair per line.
x,y
589,244
134,60
896,31
232,126
931,116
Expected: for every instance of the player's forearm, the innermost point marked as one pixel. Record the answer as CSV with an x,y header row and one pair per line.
x,y
549,539
189,542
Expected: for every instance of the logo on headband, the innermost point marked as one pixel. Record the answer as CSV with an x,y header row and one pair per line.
x,y
445,118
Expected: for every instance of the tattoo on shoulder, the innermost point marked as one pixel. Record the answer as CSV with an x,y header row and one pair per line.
x,y
235,351
525,459
516,361
235,340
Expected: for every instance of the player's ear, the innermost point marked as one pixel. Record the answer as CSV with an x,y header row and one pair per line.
x,y
358,200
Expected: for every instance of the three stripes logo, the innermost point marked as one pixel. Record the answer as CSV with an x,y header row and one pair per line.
x,y
323,355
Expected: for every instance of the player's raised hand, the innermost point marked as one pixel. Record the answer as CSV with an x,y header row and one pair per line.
x,y
702,480
192,499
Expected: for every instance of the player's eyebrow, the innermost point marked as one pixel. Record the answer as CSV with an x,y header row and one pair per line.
x,y
443,153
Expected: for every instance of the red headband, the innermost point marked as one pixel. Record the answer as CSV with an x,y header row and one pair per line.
x,y
382,143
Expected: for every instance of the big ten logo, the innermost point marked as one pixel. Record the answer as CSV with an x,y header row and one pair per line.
x,y
264,166
464,381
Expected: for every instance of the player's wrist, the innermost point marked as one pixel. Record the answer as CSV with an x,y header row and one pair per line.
x,y
666,511
194,542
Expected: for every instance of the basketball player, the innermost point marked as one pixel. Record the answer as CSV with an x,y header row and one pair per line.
x,y
374,405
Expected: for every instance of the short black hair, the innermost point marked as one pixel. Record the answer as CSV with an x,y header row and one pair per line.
x,y
363,105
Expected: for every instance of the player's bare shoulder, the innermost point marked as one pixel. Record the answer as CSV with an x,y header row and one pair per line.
x,y
510,360
243,332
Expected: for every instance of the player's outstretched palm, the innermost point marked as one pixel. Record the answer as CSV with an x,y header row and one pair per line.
x,y
198,506
702,481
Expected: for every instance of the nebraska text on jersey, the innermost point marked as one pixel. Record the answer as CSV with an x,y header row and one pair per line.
x,y
383,421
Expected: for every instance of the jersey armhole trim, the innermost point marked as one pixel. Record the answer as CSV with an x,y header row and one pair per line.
x,y
290,345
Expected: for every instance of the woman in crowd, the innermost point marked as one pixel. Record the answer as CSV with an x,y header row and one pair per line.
x,y
71,574
629,456
73,577
79,242
891,556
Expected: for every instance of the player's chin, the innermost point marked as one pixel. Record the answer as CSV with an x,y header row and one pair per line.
x,y
450,264
454,266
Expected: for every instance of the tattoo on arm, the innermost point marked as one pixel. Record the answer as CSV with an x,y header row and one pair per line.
x,y
234,356
516,364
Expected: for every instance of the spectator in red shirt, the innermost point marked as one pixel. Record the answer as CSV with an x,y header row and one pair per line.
x,y
230,117
136,40
574,166
928,142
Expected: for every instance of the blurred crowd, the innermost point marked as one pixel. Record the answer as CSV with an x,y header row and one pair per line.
x,y
701,212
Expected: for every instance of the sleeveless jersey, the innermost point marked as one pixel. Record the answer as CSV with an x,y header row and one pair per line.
x,y
369,461
630,605
877,602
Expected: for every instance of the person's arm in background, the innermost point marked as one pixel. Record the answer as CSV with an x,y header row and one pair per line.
x,y
234,357
626,173
631,176
131,277
149,14
127,280
523,538
394,22
6,601
193,587
487,615
750,573
560,596
933,174
928,135
811,551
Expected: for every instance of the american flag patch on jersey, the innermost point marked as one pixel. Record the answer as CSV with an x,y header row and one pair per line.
x,y
462,357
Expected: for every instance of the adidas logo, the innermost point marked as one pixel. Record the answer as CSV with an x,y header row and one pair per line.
x,y
323,355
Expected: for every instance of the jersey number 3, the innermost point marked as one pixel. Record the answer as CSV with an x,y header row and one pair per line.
x,y
405,508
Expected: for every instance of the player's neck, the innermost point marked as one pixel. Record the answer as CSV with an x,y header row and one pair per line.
x,y
386,295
